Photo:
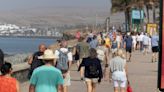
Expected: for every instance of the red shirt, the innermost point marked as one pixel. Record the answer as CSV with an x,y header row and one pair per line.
x,y
7,84
78,35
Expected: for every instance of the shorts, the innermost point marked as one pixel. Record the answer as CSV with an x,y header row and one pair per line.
x,y
114,50
129,49
145,46
155,49
93,80
121,84
67,80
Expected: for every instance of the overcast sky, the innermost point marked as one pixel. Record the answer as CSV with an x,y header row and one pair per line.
x,y
25,4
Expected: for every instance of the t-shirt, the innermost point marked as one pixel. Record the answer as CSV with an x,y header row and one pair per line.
x,y
78,35
114,45
128,41
146,40
82,49
101,52
118,38
134,39
117,67
7,84
37,62
46,79
93,43
154,40
70,58
107,41
117,64
86,62
140,38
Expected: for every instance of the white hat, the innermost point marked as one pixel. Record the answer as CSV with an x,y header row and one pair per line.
x,y
48,55
128,33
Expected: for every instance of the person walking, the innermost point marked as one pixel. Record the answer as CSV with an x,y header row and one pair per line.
x,y
46,78
141,41
8,83
92,70
119,39
94,42
63,63
134,37
81,50
118,71
155,47
114,46
146,43
34,62
128,47
103,56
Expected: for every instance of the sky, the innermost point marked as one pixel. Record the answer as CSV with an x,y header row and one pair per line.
x,y
27,4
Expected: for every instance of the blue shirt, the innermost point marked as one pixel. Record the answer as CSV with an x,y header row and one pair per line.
x,y
93,43
46,79
128,41
114,44
154,40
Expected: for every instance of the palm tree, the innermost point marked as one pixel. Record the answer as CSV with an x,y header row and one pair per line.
x,y
151,4
123,5
127,5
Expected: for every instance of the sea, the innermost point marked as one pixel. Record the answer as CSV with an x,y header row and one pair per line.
x,y
15,45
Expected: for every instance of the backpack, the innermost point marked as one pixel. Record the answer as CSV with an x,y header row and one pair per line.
x,y
100,54
62,62
93,71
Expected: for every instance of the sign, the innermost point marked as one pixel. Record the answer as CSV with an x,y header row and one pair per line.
x,y
151,28
137,13
161,52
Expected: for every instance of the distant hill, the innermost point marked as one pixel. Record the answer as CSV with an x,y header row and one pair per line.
x,y
56,16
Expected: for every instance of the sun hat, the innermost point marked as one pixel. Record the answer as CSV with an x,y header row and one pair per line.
x,y
48,55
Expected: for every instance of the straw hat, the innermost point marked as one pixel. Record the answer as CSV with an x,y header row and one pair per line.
x,y
48,55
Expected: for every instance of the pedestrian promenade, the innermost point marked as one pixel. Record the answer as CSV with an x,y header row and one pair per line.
x,y
142,75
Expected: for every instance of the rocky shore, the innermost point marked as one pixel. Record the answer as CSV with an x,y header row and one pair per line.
x,y
17,58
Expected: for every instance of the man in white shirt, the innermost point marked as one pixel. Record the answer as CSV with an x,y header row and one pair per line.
x,y
63,63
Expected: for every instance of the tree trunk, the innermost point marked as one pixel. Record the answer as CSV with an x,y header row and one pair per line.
x,y
154,15
127,20
148,15
141,19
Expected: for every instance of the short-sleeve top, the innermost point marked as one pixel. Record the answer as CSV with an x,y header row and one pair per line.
x,y
117,64
46,79
7,84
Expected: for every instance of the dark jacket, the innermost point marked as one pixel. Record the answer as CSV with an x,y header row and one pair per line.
x,y
1,58
86,62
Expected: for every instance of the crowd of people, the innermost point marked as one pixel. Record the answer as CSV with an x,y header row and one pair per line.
x,y
50,69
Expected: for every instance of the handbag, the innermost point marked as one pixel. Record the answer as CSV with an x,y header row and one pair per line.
x,y
129,88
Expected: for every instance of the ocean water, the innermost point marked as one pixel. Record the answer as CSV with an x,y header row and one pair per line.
x,y
13,45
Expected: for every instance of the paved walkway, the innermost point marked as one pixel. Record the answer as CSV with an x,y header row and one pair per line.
x,y
142,74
